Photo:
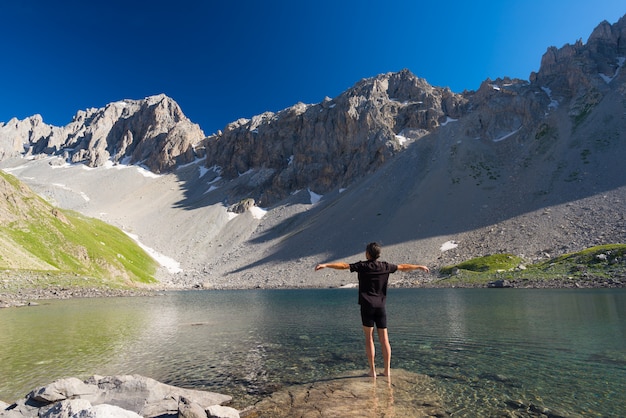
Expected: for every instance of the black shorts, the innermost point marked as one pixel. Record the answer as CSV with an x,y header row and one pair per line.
x,y
371,316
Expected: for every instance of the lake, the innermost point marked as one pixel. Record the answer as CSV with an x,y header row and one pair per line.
x,y
563,349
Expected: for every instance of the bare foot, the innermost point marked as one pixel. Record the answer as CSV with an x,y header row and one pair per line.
x,y
372,373
386,373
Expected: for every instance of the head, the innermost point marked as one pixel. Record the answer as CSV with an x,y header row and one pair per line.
x,y
372,251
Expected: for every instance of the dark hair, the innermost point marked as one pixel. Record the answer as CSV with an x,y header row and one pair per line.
x,y
373,249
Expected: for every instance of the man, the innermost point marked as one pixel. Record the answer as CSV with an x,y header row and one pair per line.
x,y
373,277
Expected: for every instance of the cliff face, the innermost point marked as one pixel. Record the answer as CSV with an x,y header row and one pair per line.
x,y
330,144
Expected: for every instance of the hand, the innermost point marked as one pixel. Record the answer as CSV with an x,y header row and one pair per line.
x,y
320,266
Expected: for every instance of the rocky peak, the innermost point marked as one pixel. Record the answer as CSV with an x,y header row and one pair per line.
x,y
575,69
16,135
153,131
327,145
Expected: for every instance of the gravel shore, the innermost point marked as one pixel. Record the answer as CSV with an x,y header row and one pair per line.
x,y
27,295
26,288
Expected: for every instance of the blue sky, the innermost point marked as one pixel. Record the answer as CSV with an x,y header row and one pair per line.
x,y
223,60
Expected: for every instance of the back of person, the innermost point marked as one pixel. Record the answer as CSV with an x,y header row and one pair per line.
x,y
373,278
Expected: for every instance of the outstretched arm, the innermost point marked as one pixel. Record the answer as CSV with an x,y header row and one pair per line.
x,y
336,266
409,267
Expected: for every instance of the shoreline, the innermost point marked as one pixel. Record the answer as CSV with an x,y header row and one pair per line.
x,y
31,296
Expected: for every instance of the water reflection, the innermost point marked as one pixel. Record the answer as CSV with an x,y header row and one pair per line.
x,y
456,315
63,338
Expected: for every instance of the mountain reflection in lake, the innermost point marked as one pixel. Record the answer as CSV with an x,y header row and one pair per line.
x,y
487,349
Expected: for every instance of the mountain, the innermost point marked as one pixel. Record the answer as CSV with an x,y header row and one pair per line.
x,y
529,167
153,132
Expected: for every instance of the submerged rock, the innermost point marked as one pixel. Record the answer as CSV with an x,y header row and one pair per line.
x,y
405,394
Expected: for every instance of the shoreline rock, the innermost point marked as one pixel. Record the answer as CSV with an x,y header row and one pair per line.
x,y
120,396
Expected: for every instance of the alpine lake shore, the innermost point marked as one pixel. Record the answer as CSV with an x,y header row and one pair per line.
x,y
602,266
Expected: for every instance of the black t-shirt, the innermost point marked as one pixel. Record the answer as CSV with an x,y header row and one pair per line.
x,y
373,278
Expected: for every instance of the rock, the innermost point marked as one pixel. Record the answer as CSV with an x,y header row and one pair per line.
x,y
114,396
189,409
142,394
404,395
242,206
62,389
68,408
332,143
219,411
22,408
499,284
168,406
112,411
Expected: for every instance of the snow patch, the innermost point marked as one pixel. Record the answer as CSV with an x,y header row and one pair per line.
x,y
122,165
64,187
202,171
147,173
169,263
620,64
502,138
401,139
257,212
250,170
195,161
448,120
553,103
314,197
217,170
448,245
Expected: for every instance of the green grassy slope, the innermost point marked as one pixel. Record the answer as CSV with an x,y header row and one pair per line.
x,y
604,264
36,236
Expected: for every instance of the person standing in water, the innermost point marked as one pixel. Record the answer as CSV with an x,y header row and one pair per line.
x,y
373,278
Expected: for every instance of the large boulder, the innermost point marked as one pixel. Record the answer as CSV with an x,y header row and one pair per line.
x,y
115,396
62,389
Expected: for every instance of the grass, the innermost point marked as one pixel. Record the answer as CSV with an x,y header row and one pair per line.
x,y
488,263
599,262
65,245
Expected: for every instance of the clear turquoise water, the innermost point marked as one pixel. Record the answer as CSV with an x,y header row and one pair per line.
x,y
560,349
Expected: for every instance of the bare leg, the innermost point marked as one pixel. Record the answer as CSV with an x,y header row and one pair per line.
x,y
383,337
370,351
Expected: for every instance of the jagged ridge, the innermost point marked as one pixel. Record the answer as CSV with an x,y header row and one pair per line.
x,y
153,132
